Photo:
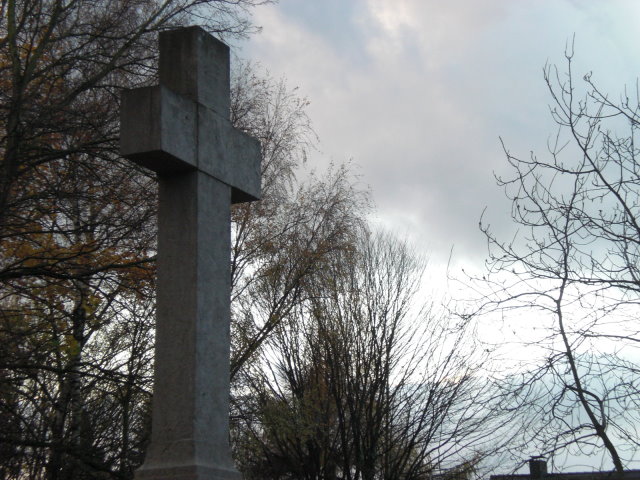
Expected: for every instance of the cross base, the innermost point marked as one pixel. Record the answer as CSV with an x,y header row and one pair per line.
x,y
187,472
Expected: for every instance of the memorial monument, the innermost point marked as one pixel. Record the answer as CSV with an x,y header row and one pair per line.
x,y
181,130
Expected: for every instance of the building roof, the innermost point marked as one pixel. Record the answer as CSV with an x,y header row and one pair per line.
x,y
538,471
594,475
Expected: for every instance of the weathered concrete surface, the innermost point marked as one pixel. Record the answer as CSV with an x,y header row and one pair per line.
x,y
159,129
181,130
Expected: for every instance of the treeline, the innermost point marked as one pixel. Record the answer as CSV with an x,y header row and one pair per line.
x,y
341,368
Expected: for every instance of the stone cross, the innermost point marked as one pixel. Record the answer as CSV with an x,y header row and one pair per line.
x,y
181,130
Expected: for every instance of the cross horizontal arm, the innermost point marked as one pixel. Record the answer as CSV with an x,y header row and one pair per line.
x,y
169,133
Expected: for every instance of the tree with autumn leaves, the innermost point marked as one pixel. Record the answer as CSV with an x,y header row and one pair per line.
x,y
77,232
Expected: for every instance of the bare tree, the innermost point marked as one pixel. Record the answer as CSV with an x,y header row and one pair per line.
x,y
281,241
360,382
574,265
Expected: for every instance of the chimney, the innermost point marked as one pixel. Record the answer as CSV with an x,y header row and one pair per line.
x,y
537,468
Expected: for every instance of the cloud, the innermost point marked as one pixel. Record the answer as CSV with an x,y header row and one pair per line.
x,y
417,92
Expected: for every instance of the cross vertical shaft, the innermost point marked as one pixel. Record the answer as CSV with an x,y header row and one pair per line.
x,y
181,130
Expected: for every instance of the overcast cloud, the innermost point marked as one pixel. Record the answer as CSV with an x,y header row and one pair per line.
x,y
418,92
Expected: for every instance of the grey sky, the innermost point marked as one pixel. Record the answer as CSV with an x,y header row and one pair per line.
x,y
417,93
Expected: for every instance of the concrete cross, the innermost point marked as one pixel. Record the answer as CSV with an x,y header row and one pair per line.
x,y
181,130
